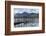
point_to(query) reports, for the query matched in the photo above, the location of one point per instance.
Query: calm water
(34, 23)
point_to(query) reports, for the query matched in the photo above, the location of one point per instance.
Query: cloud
(21, 10)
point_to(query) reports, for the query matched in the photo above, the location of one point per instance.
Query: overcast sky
(21, 10)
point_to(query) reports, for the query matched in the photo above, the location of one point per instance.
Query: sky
(21, 10)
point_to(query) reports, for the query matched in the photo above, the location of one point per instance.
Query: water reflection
(32, 23)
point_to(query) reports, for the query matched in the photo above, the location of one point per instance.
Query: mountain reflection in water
(32, 23)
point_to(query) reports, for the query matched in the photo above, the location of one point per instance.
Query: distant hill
(26, 15)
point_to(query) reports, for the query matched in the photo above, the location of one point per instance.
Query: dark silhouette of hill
(25, 14)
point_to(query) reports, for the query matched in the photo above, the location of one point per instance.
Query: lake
(32, 22)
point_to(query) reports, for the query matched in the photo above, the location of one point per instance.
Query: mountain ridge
(25, 14)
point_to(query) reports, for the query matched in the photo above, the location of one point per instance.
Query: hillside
(26, 15)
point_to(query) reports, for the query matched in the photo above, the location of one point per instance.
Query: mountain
(25, 14)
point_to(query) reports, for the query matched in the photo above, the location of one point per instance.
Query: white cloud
(21, 10)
